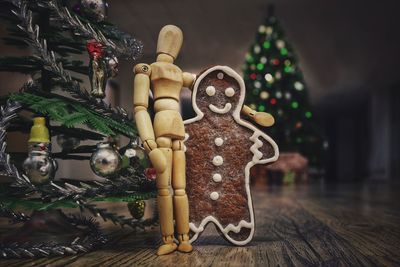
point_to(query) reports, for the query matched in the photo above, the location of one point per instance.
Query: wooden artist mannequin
(163, 139)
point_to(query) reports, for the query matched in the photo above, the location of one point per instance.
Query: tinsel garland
(93, 239)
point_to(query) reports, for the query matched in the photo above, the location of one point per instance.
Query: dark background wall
(348, 50)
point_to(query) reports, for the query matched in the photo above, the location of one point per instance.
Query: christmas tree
(59, 106)
(275, 84)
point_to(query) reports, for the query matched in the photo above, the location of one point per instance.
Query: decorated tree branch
(60, 107)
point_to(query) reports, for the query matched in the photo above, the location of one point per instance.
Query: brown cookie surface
(220, 151)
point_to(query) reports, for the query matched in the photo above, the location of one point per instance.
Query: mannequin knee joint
(179, 192)
(164, 142)
(163, 192)
(177, 145)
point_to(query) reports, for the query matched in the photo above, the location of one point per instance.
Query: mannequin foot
(185, 246)
(166, 249)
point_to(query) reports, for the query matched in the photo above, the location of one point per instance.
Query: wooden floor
(319, 225)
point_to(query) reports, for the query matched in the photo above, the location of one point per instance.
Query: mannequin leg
(164, 199)
(181, 205)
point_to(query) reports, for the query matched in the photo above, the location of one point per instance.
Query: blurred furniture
(291, 167)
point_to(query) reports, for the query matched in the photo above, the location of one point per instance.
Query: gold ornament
(137, 208)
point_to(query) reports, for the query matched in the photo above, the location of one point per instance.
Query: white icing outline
(224, 110)
(255, 160)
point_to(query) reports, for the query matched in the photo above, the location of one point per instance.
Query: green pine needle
(71, 113)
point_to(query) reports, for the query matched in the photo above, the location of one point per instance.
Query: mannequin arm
(261, 118)
(188, 79)
(141, 87)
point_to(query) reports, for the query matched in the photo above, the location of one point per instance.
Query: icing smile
(224, 110)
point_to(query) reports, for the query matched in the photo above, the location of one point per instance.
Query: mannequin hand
(263, 119)
(158, 160)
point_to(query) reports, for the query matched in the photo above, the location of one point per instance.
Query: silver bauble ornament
(67, 143)
(134, 155)
(39, 166)
(106, 161)
(97, 8)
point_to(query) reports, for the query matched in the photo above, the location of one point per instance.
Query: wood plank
(296, 226)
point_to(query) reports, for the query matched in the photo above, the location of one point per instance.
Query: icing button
(217, 161)
(217, 178)
(214, 195)
(220, 75)
(218, 141)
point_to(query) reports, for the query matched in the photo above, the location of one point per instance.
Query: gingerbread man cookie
(220, 149)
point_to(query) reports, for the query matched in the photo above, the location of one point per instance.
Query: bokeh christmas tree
(275, 84)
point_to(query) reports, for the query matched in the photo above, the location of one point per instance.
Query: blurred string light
(249, 58)
(295, 104)
(288, 69)
(268, 77)
(263, 60)
(280, 44)
(260, 66)
(266, 44)
(298, 86)
(275, 62)
(264, 95)
(308, 114)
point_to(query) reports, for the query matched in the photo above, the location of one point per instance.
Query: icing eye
(210, 90)
(229, 92)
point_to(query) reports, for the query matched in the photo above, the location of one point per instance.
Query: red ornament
(95, 49)
(275, 62)
(150, 173)
(253, 76)
(273, 101)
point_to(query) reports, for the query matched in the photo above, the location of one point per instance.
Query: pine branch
(71, 113)
(127, 47)
(53, 65)
(118, 219)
